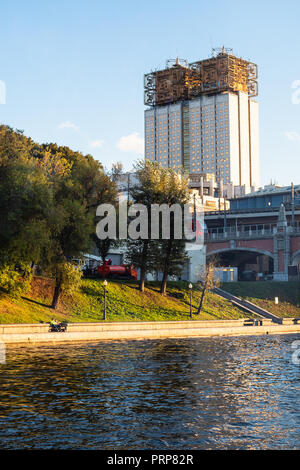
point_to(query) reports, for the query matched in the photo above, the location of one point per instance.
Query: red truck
(113, 271)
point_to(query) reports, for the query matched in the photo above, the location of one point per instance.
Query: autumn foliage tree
(208, 281)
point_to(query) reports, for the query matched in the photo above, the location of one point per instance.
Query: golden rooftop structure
(181, 81)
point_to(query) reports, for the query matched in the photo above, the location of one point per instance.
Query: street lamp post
(191, 288)
(104, 304)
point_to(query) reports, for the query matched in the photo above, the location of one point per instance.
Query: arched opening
(252, 265)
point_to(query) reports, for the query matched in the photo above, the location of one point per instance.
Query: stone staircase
(248, 306)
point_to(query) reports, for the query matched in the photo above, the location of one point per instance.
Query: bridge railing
(225, 234)
(245, 232)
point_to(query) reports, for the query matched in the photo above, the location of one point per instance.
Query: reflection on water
(212, 393)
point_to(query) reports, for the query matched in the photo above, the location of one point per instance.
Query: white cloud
(68, 125)
(97, 143)
(131, 143)
(293, 136)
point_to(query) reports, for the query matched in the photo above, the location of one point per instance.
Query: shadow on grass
(131, 308)
(36, 302)
(177, 291)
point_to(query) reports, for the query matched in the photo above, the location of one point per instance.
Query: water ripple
(207, 393)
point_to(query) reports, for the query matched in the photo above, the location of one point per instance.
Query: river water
(206, 393)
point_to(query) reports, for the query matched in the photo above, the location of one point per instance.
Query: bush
(71, 277)
(13, 282)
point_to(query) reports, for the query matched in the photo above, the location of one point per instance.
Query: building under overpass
(260, 234)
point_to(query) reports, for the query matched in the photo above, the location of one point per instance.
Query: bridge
(265, 242)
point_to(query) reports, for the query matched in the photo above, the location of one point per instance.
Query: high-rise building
(202, 117)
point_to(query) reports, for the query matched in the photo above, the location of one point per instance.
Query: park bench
(58, 327)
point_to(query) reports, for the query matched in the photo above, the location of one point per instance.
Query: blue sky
(73, 70)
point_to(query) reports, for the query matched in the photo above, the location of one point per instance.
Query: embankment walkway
(112, 331)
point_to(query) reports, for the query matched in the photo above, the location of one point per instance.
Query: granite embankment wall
(39, 333)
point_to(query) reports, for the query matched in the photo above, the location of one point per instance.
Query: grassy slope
(124, 303)
(264, 293)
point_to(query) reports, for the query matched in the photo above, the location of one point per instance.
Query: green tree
(140, 253)
(48, 200)
(77, 193)
(146, 191)
(172, 251)
(25, 200)
(103, 246)
(157, 185)
(171, 256)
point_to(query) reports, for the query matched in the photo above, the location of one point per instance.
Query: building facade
(214, 130)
